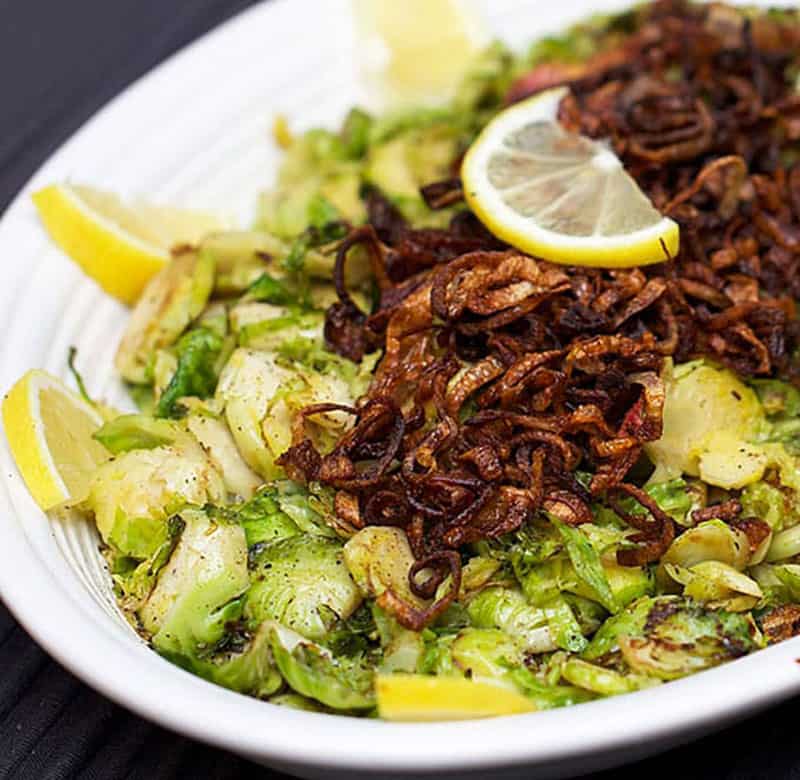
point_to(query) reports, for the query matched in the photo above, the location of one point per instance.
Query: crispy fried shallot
(502, 375)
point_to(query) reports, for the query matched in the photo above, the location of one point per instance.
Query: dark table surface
(61, 60)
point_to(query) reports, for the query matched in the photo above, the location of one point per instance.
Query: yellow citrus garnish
(120, 246)
(49, 430)
(561, 196)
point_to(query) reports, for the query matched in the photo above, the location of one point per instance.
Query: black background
(61, 60)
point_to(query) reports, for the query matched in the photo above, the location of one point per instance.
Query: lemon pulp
(49, 430)
(559, 195)
(120, 246)
(418, 49)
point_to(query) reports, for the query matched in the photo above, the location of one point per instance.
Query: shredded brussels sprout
(275, 577)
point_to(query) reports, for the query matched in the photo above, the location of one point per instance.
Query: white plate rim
(137, 679)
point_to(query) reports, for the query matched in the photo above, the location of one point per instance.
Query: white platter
(196, 132)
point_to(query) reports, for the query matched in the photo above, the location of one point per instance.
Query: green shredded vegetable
(285, 579)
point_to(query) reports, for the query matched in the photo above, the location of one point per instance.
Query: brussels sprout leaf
(196, 373)
(587, 564)
(134, 432)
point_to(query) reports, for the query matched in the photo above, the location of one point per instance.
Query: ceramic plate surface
(196, 132)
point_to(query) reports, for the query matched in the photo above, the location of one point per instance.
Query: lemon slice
(559, 195)
(49, 430)
(120, 246)
(419, 697)
(417, 50)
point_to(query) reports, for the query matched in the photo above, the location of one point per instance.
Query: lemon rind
(413, 697)
(97, 245)
(653, 244)
(22, 421)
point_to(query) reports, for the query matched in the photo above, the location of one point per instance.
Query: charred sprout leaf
(263, 519)
(324, 227)
(485, 652)
(628, 622)
(417, 148)
(403, 649)
(295, 701)
(779, 399)
(669, 637)
(240, 257)
(326, 374)
(199, 590)
(354, 636)
(780, 622)
(143, 397)
(676, 497)
(667, 661)
(508, 610)
(303, 583)
(316, 165)
(313, 671)
(196, 372)
(533, 544)
(453, 619)
(211, 430)
(564, 628)
(247, 387)
(173, 298)
(545, 583)
(404, 120)
(309, 506)
(605, 682)
(135, 432)
(379, 559)
(478, 572)
(484, 88)
(589, 614)
(731, 464)
(701, 402)
(271, 290)
(789, 577)
(133, 495)
(785, 544)
(215, 318)
(137, 537)
(587, 564)
(135, 578)
(717, 585)
(277, 327)
(773, 504)
(673, 496)
(310, 353)
(628, 583)
(249, 669)
(355, 133)
(263, 395)
(712, 540)
(322, 215)
(546, 695)
(161, 369)
(785, 432)
(437, 656)
(295, 259)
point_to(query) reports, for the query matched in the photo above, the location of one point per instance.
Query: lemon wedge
(120, 246)
(49, 430)
(559, 195)
(419, 697)
(417, 50)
